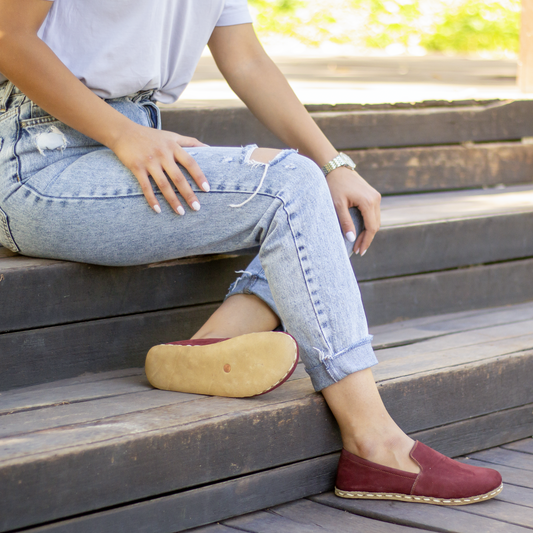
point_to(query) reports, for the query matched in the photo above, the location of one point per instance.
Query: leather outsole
(244, 366)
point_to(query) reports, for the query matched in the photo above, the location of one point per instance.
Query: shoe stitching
(419, 499)
(295, 360)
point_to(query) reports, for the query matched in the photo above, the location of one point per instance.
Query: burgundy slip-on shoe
(248, 365)
(441, 480)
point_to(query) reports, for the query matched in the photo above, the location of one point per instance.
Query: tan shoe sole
(417, 499)
(244, 366)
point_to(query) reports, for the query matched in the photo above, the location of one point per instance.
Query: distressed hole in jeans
(264, 155)
(52, 139)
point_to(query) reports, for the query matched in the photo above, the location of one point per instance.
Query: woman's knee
(264, 155)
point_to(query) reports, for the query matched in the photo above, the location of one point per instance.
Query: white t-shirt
(119, 47)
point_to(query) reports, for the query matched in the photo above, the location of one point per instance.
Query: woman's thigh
(90, 208)
(64, 196)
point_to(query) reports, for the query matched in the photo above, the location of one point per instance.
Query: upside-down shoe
(248, 365)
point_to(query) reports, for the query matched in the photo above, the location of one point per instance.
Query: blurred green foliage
(462, 26)
(285, 17)
(476, 25)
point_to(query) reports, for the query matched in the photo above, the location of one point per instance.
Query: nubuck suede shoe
(441, 480)
(248, 365)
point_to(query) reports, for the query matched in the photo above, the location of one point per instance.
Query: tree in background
(415, 26)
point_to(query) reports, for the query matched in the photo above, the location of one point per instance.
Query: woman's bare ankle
(392, 451)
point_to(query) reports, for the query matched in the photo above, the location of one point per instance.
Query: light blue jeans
(64, 196)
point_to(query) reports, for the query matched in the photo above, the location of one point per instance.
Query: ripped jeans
(64, 196)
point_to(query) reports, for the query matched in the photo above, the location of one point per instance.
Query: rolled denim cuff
(333, 369)
(253, 281)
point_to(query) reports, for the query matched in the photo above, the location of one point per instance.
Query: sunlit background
(485, 28)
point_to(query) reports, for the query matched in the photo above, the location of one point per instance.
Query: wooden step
(504, 120)
(66, 318)
(110, 452)
(420, 233)
(433, 168)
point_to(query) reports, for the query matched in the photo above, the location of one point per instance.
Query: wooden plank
(433, 246)
(147, 445)
(306, 516)
(432, 168)
(213, 528)
(504, 120)
(83, 388)
(103, 345)
(524, 446)
(85, 412)
(501, 456)
(177, 438)
(42, 292)
(419, 329)
(420, 295)
(432, 517)
(510, 475)
(467, 384)
(454, 349)
(517, 331)
(184, 510)
(472, 389)
(481, 432)
(517, 495)
(506, 512)
(412, 209)
(525, 62)
(59, 352)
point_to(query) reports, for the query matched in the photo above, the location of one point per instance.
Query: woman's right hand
(34, 68)
(148, 152)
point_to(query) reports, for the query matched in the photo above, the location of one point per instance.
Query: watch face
(347, 160)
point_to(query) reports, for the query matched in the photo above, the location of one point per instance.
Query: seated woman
(88, 175)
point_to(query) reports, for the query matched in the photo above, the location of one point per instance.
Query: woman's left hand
(349, 189)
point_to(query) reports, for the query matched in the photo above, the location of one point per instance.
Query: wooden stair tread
(443, 207)
(105, 434)
(419, 235)
(412, 126)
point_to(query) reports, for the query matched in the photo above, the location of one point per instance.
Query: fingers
(146, 187)
(189, 142)
(372, 218)
(346, 222)
(186, 160)
(167, 169)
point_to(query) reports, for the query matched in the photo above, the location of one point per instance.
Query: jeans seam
(15, 144)
(317, 316)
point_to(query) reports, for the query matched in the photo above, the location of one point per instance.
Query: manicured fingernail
(350, 236)
(156, 208)
(357, 251)
(196, 206)
(363, 253)
(205, 186)
(180, 210)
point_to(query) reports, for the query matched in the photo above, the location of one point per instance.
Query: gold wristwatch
(342, 160)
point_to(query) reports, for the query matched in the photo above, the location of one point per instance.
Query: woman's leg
(367, 429)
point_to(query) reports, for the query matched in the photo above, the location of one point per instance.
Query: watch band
(341, 160)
